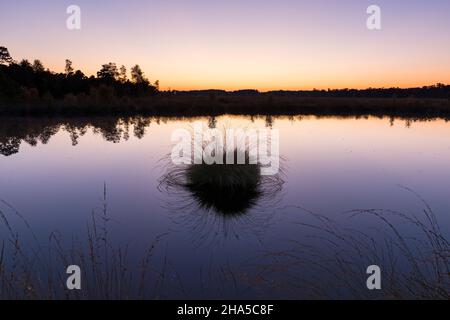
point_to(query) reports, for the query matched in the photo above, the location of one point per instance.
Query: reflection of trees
(15, 131)
(75, 132)
(9, 146)
(140, 124)
(35, 130)
(110, 129)
(212, 122)
(269, 122)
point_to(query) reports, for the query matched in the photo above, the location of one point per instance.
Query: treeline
(28, 88)
(31, 82)
(437, 91)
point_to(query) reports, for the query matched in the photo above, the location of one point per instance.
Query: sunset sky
(237, 44)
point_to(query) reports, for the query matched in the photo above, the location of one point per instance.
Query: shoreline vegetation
(30, 89)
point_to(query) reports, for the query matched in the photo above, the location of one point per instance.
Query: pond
(351, 192)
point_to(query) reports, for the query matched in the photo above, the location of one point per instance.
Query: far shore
(215, 104)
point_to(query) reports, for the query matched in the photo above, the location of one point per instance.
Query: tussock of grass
(218, 200)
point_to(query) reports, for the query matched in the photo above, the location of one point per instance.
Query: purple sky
(271, 44)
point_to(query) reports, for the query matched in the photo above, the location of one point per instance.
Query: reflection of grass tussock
(221, 199)
(228, 189)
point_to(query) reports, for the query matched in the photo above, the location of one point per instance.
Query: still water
(57, 173)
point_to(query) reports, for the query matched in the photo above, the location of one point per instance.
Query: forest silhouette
(28, 88)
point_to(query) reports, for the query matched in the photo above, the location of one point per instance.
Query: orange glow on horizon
(250, 79)
(242, 45)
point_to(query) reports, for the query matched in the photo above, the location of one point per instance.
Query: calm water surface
(53, 171)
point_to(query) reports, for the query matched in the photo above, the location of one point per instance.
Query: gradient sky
(265, 44)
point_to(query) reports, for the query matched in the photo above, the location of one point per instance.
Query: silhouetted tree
(38, 66)
(68, 69)
(123, 74)
(137, 75)
(108, 72)
(5, 57)
(24, 63)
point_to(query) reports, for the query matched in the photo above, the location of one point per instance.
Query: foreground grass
(414, 266)
(33, 270)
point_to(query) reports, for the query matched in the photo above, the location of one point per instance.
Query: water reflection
(17, 130)
(269, 248)
(221, 200)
